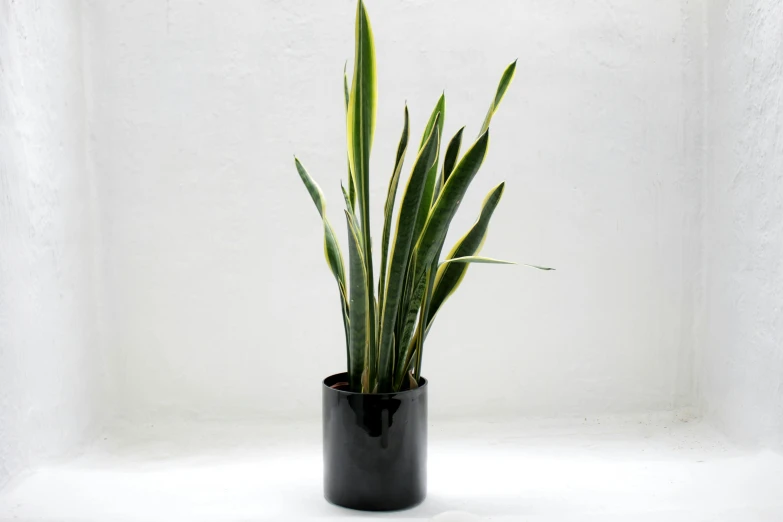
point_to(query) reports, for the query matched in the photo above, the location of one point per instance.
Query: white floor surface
(645, 468)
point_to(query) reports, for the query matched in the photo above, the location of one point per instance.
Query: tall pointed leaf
(505, 81)
(425, 307)
(450, 158)
(415, 301)
(391, 194)
(400, 254)
(351, 182)
(438, 113)
(360, 129)
(360, 311)
(431, 240)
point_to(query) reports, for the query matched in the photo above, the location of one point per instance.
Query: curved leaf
(448, 202)
(334, 257)
(479, 259)
(449, 277)
(400, 254)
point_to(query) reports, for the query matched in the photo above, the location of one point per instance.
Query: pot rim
(421, 388)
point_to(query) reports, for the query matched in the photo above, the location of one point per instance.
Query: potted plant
(375, 413)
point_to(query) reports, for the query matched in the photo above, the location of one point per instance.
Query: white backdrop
(218, 300)
(50, 362)
(741, 366)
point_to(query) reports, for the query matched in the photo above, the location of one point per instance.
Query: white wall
(742, 366)
(49, 364)
(219, 301)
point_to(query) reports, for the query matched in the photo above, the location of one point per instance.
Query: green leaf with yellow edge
(449, 277)
(485, 260)
(431, 240)
(388, 210)
(349, 207)
(505, 81)
(450, 158)
(360, 130)
(334, 257)
(427, 197)
(400, 255)
(332, 253)
(359, 304)
(351, 182)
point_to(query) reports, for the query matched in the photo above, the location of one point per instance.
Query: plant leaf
(360, 129)
(450, 276)
(450, 158)
(334, 257)
(360, 311)
(431, 240)
(407, 339)
(400, 254)
(391, 194)
(505, 81)
(425, 309)
(438, 114)
(351, 182)
(479, 259)
(447, 204)
(346, 198)
(361, 111)
(350, 208)
(346, 89)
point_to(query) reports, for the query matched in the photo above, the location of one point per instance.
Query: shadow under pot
(375, 447)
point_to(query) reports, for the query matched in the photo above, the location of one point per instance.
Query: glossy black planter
(375, 447)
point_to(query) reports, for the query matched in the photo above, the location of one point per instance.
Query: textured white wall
(48, 359)
(742, 361)
(219, 302)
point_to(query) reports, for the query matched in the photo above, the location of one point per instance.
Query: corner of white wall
(741, 364)
(49, 347)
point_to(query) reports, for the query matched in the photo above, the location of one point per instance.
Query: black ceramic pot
(375, 447)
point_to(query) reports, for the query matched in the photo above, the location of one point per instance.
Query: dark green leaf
(391, 194)
(360, 127)
(400, 254)
(452, 153)
(360, 311)
(438, 114)
(450, 276)
(434, 233)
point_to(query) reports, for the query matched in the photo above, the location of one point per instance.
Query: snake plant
(385, 326)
